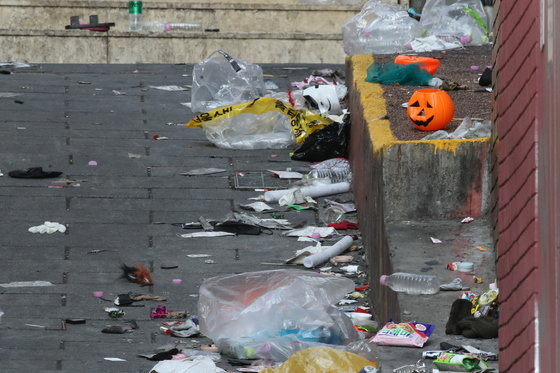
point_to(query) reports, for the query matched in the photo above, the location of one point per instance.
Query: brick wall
(517, 84)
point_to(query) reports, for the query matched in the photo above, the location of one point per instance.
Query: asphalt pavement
(120, 190)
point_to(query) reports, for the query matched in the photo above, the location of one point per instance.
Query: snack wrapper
(403, 334)
(450, 362)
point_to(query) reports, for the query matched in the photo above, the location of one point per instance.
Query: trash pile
(382, 28)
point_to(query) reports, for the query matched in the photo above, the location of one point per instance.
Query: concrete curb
(405, 180)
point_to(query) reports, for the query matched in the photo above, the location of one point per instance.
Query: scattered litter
(1, 174)
(481, 248)
(20, 284)
(158, 137)
(223, 80)
(34, 173)
(187, 104)
(15, 65)
(448, 361)
(468, 129)
(169, 88)
(177, 281)
(35, 326)
(311, 191)
(347, 207)
(137, 274)
(92, 163)
(350, 269)
(83, 82)
(181, 329)
(347, 301)
(287, 174)
(98, 294)
(118, 93)
(340, 259)
(195, 364)
(435, 240)
(199, 255)
(419, 367)
(454, 285)
(203, 171)
(9, 94)
(270, 85)
(257, 206)
(344, 225)
(48, 228)
(134, 156)
(409, 334)
(206, 234)
(209, 261)
(308, 231)
(467, 220)
(114, 312)
(478, 280)
(461, 266)
(113, 359)
(325, 255)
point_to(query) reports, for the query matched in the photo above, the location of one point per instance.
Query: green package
(459, 363)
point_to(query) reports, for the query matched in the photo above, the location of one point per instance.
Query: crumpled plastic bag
(379, 28)
(468, 129)
(264, 123)
(222, 80)
(321, 360)
(452, 20)
(269, 304)
(329, 142)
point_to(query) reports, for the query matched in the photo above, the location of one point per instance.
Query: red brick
(521, 228)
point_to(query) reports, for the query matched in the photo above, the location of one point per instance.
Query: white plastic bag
(270, 304)
(379, 28)
(222, 80)
(451, 20)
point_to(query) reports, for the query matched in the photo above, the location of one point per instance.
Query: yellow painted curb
(375, 112)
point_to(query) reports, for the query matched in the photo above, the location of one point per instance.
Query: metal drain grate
(259, 180)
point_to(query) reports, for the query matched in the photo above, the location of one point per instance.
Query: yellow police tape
(303, 122)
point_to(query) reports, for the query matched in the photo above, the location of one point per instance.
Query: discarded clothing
(344, 225)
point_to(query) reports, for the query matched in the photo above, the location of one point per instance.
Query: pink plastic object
(474, 67)
(177, 281)
(92, 163)
(384, 279)
(159, 313)
(98, 294)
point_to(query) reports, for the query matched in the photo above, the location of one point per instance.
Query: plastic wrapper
(293, 304)
(223, 80)
(379, 28)
(264, 123)
(403, 334)
(451, 362)
(321, 360)
(463, 20)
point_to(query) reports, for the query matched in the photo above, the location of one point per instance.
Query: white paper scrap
(435, 240)
(113, 359)
(206, 234)
(21, 284)
(169, 88)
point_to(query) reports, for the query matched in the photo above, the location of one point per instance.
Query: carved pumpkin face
(430, 109)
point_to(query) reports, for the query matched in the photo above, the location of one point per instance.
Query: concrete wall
(405, 180)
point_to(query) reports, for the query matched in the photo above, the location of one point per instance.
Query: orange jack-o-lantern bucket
(430, 109)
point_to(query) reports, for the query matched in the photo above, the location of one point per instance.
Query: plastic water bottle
(411, 283)
(135, 15)
(183, 27)
(336, 175)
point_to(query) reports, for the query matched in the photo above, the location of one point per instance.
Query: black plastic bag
(326, 143)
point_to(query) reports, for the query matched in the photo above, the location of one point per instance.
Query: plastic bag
(222, 80)
(463, 20)
(379, 28)
(326, 143)
(196, 364)
(391, 73)
(279, 303)
(321, 360)
(264, 123)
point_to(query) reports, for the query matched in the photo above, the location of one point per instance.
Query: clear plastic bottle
(334, 175)
(135, 15)
(183, 27)
(411, 283)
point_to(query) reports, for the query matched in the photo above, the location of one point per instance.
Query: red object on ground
(362, 288)
(344, 225)
(429, 64)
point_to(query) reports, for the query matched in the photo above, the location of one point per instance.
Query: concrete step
(285, 16)
(78, 46)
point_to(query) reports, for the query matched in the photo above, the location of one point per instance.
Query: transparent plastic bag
(279, 303)
(264, 123)
(379, 28)
(450, 20)
(222, 80)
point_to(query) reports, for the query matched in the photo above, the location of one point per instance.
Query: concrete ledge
(405, 180)
(79, 46)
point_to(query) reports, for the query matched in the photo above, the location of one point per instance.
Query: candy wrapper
(450, 362)
(404, 334)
